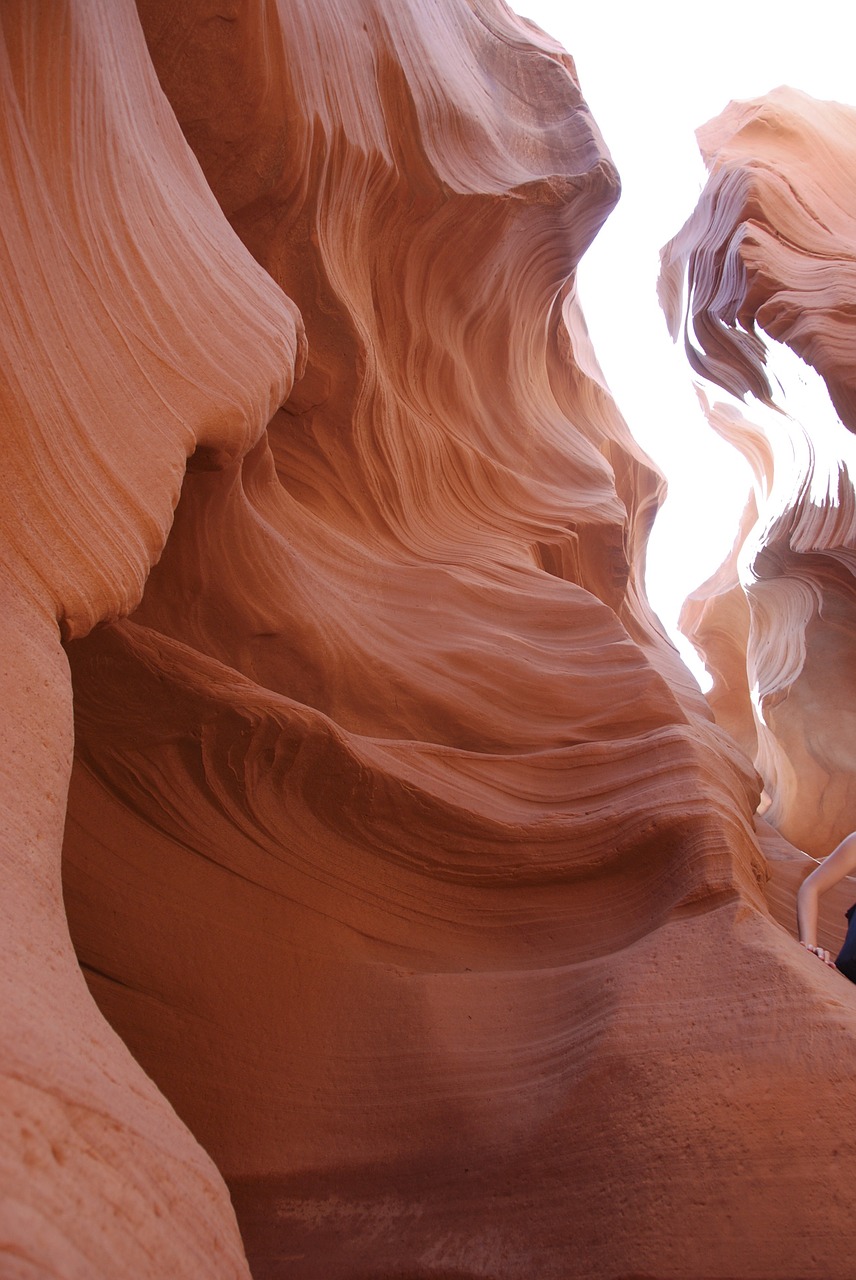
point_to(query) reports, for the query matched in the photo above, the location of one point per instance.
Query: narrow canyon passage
(427, 925)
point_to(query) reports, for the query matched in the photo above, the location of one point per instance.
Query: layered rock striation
(135, 328)
(771, 247)
(400, 851)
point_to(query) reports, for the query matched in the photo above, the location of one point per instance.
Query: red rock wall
(400, 851)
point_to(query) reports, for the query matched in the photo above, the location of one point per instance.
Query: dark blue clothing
(846, 958)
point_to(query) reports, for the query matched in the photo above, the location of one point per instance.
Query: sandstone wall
(770, 250)
(400, 850)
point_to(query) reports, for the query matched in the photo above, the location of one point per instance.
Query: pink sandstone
(771, 248)
(417, 892)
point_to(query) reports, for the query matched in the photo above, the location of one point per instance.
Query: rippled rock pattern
(400, 851)
(772, 246)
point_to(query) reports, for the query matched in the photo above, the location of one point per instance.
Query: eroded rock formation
(771, 246)
(400, 850)
(135, 328)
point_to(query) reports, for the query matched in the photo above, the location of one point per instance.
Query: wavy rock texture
(116, 271)
(400, 850)
(771, 243)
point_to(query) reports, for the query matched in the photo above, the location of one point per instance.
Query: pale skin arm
(840, 863)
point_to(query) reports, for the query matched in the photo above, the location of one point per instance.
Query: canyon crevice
(381, 896)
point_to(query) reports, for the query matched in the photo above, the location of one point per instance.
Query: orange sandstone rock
(401, 851)
(134, 327)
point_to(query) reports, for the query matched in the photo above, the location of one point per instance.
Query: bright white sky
(652, 71)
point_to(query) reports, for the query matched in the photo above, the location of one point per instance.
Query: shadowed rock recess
(413, 920)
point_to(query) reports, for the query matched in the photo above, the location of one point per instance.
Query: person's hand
(821, 954)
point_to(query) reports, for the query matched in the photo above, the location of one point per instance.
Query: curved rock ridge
(715, 617)
(400, 850)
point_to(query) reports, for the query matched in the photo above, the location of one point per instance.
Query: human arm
(840, 863)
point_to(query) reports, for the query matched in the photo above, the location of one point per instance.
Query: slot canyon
(382, 899)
